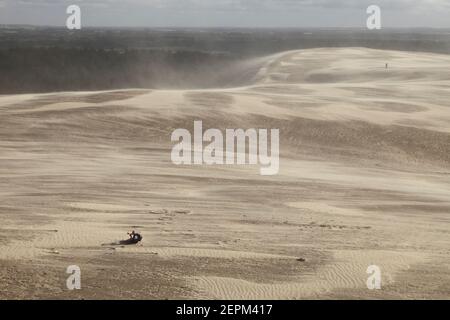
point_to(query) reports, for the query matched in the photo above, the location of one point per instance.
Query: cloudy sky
(228, 13)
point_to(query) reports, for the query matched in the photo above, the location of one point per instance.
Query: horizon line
(17, 25)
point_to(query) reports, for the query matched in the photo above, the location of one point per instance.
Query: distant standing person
(387, 65)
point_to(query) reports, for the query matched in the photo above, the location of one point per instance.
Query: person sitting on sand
(134, 237)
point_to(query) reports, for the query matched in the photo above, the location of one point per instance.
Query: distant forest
(52, 69)
(51, 59)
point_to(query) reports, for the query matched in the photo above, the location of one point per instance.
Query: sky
(229, 13)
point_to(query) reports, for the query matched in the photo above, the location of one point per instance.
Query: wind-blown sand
(364, 179)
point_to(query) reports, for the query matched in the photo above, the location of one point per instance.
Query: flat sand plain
(364, 180)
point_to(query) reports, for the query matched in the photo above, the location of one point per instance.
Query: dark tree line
(61, 69)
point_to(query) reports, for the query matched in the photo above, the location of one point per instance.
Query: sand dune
(364, 179)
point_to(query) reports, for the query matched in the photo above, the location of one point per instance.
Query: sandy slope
(364, 179)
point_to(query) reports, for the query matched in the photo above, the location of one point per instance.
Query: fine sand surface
(364, 180)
